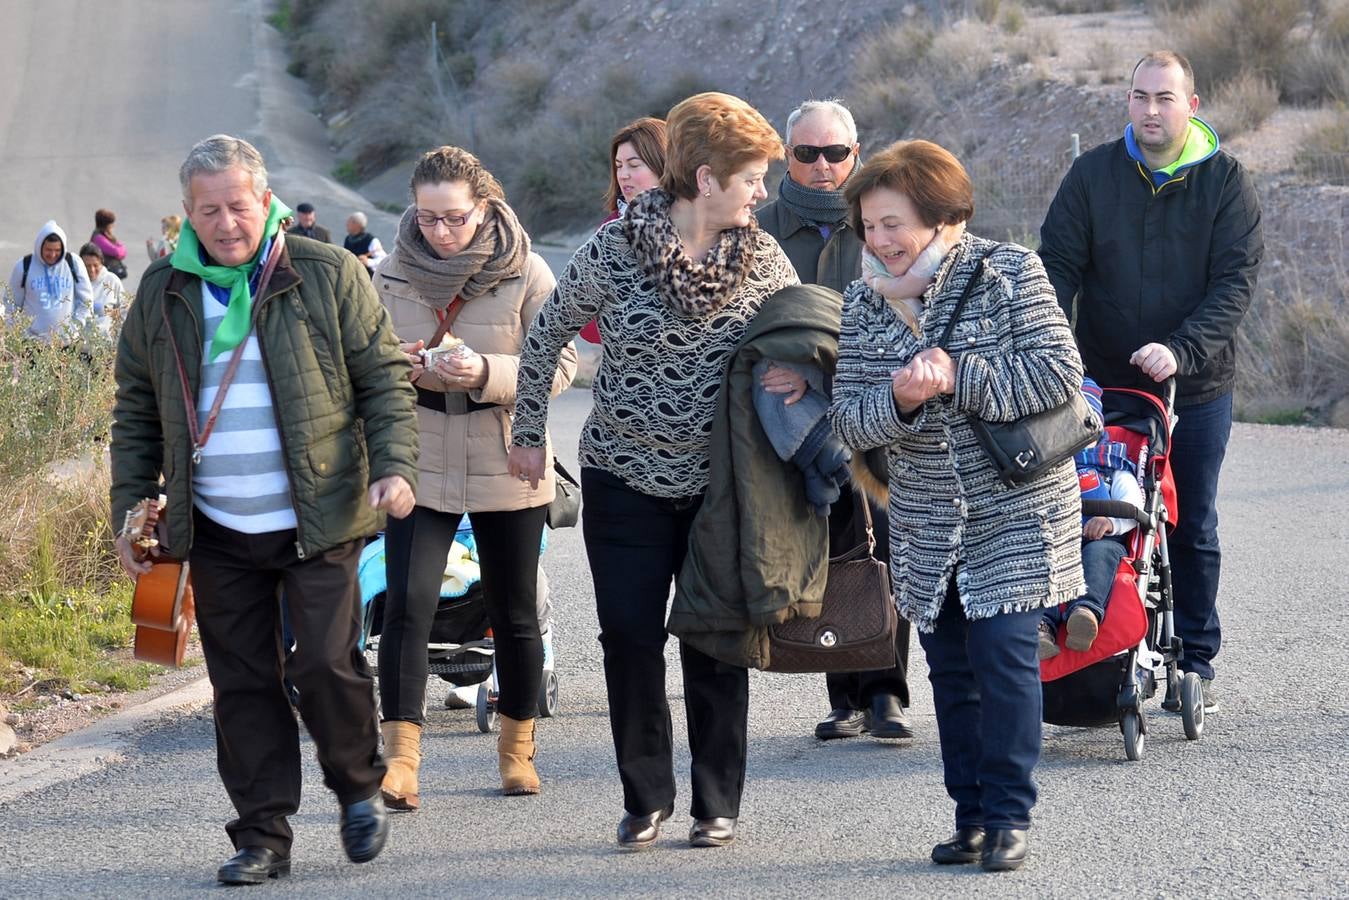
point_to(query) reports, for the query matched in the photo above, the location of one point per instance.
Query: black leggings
(415, 552)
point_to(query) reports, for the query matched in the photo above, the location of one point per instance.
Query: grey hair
(360, 218)
(219, 153)
(832, 106)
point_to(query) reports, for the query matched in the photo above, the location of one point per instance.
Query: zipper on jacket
(191, 464)
(280, 432)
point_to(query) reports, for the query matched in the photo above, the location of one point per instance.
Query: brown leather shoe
(640, 832)
(515, 757)
(403, 756)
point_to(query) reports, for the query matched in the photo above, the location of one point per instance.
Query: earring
(707, 193)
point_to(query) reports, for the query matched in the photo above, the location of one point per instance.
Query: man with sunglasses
(810, 220)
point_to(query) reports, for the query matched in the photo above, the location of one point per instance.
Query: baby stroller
(460, 650)
(1137, 641)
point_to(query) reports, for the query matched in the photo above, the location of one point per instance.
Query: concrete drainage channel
(82, 752)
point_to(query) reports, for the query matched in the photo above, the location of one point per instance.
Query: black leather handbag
(855, 630)
(565, 510)
(1024, 449)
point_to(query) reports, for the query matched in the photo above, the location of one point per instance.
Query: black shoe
(886, 718)
(841, 723)
(365, 827)
(965, 846)
(640, 832)
(714, 832)
(253, 865)
(1004, 849)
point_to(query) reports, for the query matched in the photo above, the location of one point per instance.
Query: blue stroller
(460, 650)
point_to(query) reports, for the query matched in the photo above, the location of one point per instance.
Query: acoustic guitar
(162, 607)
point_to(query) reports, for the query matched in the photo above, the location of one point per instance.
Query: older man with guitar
(259, 380)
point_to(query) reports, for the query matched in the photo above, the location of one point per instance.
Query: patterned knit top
(656, 388)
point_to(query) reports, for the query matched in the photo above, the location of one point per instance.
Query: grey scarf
(814, 206)
(689, 288)
(499, 250)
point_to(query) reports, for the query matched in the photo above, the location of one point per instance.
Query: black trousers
(636, 544)
(236, 580)
(415, 552)
(855, 690)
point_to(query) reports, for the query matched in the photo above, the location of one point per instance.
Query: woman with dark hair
(637, 152)
(973, 562)
(462, 267)
(674, 284)
(113, 250)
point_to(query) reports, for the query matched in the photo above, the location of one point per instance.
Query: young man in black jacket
(1157, 237)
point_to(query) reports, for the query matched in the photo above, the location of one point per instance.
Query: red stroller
(1137, 640)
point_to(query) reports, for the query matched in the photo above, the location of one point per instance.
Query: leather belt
(455, 403)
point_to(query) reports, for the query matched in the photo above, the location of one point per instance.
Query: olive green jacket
(834, 263)
(757, 555)
(339, 384)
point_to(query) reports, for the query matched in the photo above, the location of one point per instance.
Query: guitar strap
(202, 435)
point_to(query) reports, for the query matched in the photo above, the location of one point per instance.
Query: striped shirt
(241, 481)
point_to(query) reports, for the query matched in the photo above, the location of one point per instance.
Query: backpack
(28, 261)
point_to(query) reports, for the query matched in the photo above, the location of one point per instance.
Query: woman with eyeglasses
(462, 267)
(674, 284)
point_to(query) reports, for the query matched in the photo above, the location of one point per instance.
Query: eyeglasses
(834, 153)
(428, 220)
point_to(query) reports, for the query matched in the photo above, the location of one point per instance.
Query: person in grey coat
(973, 562)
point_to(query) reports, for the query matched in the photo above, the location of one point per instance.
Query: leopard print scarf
(687, 287)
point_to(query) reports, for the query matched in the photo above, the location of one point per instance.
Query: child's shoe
(1082, 627)
(1049, 648)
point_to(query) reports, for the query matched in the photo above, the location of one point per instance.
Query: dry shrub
(1319, 70)
(1012, 18)
(987, 10)
(890, 83)
(1077, 6)
(1243, 104)
(1293, 356)
(1324, 154)
(522, 87)
(1034, 43)
(1226, 38)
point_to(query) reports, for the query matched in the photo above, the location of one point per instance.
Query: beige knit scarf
(498, 250)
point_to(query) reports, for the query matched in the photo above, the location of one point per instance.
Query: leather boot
(515, 755)
(403, 756)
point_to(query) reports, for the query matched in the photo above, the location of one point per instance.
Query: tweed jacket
(1010, 549)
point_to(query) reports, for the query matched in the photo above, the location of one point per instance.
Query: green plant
(281, 18)
(1013, 18)
(347, 173)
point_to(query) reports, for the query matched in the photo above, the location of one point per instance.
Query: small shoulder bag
(1025, 449)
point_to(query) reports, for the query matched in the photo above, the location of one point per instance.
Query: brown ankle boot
(403, 755)
(515, 754)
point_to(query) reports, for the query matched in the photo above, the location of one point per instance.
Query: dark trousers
(1100, 562)
(1198, 446)
(415, 550)
(986, 690)
(855, 690)
(236, 579)
(636, 544)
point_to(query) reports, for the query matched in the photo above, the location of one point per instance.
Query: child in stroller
(460, 650)
(1136, 643)
(1104, 472)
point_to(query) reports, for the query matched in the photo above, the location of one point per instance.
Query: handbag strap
(446, 317)
(868, 549)
(563, 473)
(965, 296)
(201, 435)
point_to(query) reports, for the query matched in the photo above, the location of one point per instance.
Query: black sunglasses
(834, 153)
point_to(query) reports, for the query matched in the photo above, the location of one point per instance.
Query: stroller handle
(1115, 509)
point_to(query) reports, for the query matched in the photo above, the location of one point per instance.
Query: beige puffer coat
(463, 457)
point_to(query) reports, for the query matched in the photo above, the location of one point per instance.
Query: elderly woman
(674, 283)
(462, 267)
(973, 562)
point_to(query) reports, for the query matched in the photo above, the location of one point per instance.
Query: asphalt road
(1257, 808)
(98, 103)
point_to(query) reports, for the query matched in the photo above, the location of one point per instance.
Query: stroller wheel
(1192, 706)
(1134, 736)
(548, 695)
(486, 708)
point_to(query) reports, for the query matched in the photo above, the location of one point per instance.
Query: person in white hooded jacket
(51, 288)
